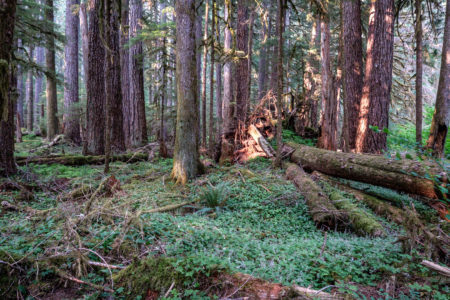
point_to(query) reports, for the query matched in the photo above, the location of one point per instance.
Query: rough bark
(186, 164)
(30, 97)
(280, 75)
(419, 71)
(38, 104)
(52, 104)
(84, 40)
(125, 72)
(242, 70)
(204, 66)
(71, 98)
(219, 94)
(138, 124)
(403, 175)
(263, 64)
(441, 116)
(374, 108)
(353, 70)
(198, 44)
(21, 96)
(95, 120)
(328, 133)
(7, 19)
(251, 26)
(211, 79)
(113, 87)
(320, 207)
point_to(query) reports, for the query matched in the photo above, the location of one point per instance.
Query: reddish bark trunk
(374, 108)
(242, 70)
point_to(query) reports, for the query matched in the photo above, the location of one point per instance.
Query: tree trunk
(374, 108)
(219, 92)
(113, 81)
(441, 116)
(250, 55)
(279, 66)
(198, 44)
(84, 39)
(227, 148)
(79, 160)
(138, 124)
(40, 59)
(211, 79)
(204, 66)
(242, 70)
(125, 73)
(353, 70)
(403, 175)
(95, 125)
(162, 144)
(52, 104)
(30, 97)
(71, 111)
(419, 63)
(328, 132)
(7, 19)
(263, 65)
(186, 163)
(21, 96)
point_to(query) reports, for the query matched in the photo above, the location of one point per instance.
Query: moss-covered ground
(244, 218)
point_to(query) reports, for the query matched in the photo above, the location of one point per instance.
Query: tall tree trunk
(219, 91)
(30, 97)
(227, 148)
(71, 111)
(250, 54)
(95, 120)
(441, 116)
(40, 58)
(113, 81)
(374, 108)
(263, 64)
(419, 63)
(84, 39)
(7, 19)
(242, 71)
(204, 66)
(52, 104)
(353, 70)
(138, 124)
(21, 96)
(186, 164)
(164, 87)
(327, 139)
(279, 72)
(125, 73)
(198, 44)
(109, 79)
(211, 80)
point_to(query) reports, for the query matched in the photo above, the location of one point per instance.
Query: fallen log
(262, 142)
(435, 267)
(403, 175)
(79, 160)
(320, 207)
(362, 222)
(380, 207)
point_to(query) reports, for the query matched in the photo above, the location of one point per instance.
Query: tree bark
(84, 40)
(7, 19)
(219, 92)
(186, 163)
(419, 71)
(113, 80)
(441, 116)
(204, 66)
(79, 160)
(279, 66)
(328, 132)
(263, 65)
(30, 97)
(95, 84)
(52, 104)
(403, 175)
(125, 73)
(242, 70)
(374, 108)
(138, 124)
(71, 98)
(211, 80)
(353, 70)
(21, 96)
(38, 104)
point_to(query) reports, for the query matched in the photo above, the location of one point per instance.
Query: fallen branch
(168, 207)
(435, 267)
(313, 294)
(261, 141)
(79, 160)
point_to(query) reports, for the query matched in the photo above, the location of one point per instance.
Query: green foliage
(290, 136)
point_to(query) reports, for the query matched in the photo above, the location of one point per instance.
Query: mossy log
(378, 206)
(320, 206)
(362, 222)
(404, 175)
(79, 160)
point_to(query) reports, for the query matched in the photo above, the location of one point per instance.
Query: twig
(169, 290)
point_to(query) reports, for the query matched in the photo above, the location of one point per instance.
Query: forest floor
(237, 218)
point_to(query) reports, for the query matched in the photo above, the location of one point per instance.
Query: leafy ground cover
(242, 218)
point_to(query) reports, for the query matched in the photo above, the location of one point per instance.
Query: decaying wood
(320, 206)
(262, 142)
(403, 175)
(54, 142)
(362, 222)
(78, 160)
(313, 294)
(168, 207)
(435, 267)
